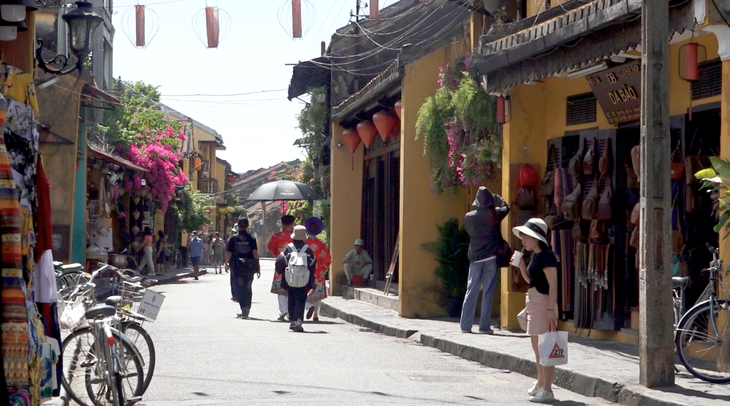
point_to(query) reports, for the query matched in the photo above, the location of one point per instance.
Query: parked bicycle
(703, 334)
(68, 276)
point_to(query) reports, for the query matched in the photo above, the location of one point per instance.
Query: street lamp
(82, 22)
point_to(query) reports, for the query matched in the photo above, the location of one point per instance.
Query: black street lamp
(82, 22)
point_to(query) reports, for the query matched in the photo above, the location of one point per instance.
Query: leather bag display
(605, 211)
(692, 166)
(636, 161)
(589, 160)
(597, 230)
(571, 206)
(547, 186)
(605, 162)
(578, 231)
(589, 206)
(632, 181)
(525, 198)
(575, 166)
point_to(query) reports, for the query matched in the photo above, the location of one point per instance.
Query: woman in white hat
(542, 297)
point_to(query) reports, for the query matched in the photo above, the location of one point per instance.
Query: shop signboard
(618, 91)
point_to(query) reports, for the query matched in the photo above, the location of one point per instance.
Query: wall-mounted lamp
(82, 22)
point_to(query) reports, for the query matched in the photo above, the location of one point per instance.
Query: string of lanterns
(384, 123)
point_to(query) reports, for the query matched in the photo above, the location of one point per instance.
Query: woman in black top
(542, 298)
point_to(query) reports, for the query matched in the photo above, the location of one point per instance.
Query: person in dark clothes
(297, 296)
(482, 224)
(243, 257)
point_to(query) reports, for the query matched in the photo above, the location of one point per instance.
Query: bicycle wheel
(146, 348)
(703, 341)
(67, 282)
(83, 375)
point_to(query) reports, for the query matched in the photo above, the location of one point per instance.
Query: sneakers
(310, 312)
(291, 326)
(543, 396)
(533, 389)
(298, 327)
(490, 331)
(466, 331)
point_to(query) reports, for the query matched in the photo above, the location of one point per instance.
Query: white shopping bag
(553, 347)
(522, 319)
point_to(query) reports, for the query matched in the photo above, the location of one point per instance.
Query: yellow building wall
(421, 209)
(346, 203)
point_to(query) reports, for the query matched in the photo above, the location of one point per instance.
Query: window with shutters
(709, 82)
(581, 109)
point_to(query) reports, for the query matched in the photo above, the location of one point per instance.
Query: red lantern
(690, 56)
(211, 25)
(384, 122)
(374, 10)
(367, 132)
(351, 139)
(140, 25)
(296, 17)
(397, 108)
(501, 118)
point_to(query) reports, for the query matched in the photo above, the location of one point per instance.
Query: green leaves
(451, 250)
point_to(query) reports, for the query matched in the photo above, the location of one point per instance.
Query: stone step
(371, 296)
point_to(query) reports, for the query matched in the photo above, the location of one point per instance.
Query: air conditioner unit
(588, 71)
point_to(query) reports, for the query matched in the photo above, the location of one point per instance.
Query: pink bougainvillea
(156, 153)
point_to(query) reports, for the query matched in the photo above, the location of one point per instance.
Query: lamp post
(82, 22)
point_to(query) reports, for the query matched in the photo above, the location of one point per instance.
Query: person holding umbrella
(276, 245)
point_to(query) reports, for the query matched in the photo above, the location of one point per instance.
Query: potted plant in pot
(451, 250)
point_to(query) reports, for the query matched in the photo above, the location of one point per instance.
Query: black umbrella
(284, 190)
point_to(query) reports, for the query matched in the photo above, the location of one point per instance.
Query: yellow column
(346, 203)
(524, 141)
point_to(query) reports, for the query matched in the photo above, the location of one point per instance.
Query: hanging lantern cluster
(140, 25)
(211, 25)
(367, 132)
(386, 123)
(297, 17)
(690, 57)
(351, 139)
(503, 109)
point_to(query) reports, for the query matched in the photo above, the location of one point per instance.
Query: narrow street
(205, 356)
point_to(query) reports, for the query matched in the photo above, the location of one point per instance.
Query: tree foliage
(192, 208)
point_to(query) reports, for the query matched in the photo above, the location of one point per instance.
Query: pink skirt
(537, 317)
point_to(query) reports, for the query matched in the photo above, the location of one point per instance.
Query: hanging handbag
(636, 161)
(605, 211)
(605, 162)
(558, 191)
(571, 206)
(575, 166)
(676, 168)
(525, 198)
(597, 230)
(589, 160)
(504, 253)
(590, 203)
(632, 181)
(578, 231)
(547, 188)
(691, 203)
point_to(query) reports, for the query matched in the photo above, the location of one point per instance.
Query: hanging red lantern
(301, 13)
(231, 179)
(211, 25)
(374, 10)
(143, 29)
(384, 122)
(397, 107)
(501, 118)
(367, 132)
(690, 57)
(351, 139)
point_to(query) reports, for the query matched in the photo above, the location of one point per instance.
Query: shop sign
(151, 304)
(618, 91)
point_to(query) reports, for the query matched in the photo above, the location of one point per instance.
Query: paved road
(205, 356)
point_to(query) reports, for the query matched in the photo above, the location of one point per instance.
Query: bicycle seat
(679, 281)
(134, 279)
(113, 301)
(100, 311)
(72, 267)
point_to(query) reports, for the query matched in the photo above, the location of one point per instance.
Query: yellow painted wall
(346, 203)
(421, 209)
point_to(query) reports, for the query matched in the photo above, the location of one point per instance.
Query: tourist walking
(196, 247)
(161, 252)
(297, 266)
(542, 297)
(243, 257)
(482, 224)
(147, 260)
(276, 245)
(314, 226)
(218, 246)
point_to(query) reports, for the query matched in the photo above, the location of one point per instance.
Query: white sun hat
(535, 227)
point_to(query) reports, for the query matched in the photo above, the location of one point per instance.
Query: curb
(574, 381)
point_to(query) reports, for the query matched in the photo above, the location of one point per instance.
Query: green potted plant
(451, 250)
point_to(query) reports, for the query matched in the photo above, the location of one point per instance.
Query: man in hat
(243, 256)
(196, 246)
(276, 245)
(358, 262)
(314, 226)
(482, 224)
(297, 295)
(219, 247)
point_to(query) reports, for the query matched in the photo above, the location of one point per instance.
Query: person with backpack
(482, 224)
(276, 245)
(297, 266)
(243, 256)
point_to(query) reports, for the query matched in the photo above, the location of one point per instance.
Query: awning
(93, 94)
(573, 39)
(95, 153)
(309, 74)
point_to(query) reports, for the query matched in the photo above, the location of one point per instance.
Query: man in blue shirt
(196, 248)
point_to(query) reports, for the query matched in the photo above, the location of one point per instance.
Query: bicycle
(101, 363)
(68, 277)
(703, 334)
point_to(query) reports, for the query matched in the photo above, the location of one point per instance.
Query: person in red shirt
(324, 259)
(276, 245)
